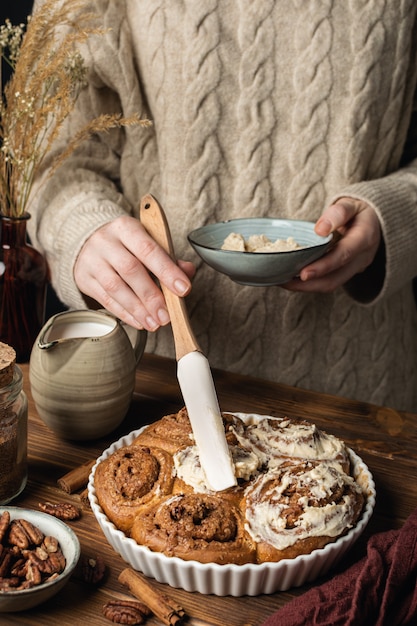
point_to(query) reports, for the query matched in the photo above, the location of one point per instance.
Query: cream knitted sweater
(258, 110)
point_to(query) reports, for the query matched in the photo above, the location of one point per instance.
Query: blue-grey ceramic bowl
(259, 269)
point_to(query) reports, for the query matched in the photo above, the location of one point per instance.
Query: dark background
(17, 12)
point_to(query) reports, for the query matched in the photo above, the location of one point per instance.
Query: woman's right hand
(114, 268)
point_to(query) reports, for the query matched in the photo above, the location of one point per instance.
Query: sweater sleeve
(394, 198)
(85, 192)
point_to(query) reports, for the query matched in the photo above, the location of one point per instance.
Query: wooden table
(384, 438)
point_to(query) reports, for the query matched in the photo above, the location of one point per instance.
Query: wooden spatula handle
(154, 221)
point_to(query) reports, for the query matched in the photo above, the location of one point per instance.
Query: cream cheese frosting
(300, 483)
(284, 506)
(188, 467)
(277, 439)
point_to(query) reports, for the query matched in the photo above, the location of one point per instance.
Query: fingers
(115, 267)
(337, 216)
(352, 254)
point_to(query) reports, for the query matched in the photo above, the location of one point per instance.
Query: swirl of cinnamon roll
(295, 509)
(281, 440)
(198, 527)
(131, 478)
(234, 427)
(171, 432)
(174, 432)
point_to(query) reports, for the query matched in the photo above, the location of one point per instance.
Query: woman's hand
(114, 268)
(360, 231)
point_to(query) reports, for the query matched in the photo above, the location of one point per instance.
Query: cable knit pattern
(255, 108)
(310, 115)
(367, 38)
(258, 109)
(255, 121)
(144, 144)
(392, 119)
(201, 113)
(308, 158)
(202, 72)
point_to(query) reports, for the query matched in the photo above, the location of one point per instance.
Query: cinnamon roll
(131, 478)
(279, 440)
(294, 494)
(295, 509)
(171, 433)
(195, 527)
(190, 476)
(174, 432)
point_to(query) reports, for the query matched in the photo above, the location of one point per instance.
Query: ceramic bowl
(259, 268)
(21, 600)
(230, 579)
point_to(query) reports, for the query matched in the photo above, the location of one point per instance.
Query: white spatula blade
(197, 387)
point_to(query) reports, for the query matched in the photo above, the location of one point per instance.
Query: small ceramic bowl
(21, 600)
(259, 269)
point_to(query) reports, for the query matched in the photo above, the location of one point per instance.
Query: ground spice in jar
(13, 427)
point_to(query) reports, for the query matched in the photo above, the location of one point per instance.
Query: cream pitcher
(82, 372)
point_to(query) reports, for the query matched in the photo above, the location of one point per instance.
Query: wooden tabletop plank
(385, 439)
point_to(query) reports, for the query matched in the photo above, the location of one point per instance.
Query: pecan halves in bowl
(27, 557)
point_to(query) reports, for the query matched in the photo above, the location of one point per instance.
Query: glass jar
(13, 438)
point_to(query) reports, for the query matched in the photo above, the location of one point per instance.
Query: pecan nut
(27, 557)
(4, 524)
(54, 563)
(126, 612)
(24, 534)
(63, 510)
(93, 570)
(5, 561)
(50, 544)
(7, 584)
(33, 573)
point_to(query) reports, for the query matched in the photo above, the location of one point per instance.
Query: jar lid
(7, 364)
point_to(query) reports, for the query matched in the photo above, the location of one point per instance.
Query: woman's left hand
(360, 231)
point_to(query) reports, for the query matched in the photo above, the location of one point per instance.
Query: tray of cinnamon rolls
(302, 499)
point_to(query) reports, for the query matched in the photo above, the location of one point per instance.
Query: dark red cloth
(378, 590)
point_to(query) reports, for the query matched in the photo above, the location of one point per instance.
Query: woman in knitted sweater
(260, 108)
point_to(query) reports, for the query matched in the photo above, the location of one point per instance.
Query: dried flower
(48, 75)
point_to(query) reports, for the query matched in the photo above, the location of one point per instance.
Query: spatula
(193, 369)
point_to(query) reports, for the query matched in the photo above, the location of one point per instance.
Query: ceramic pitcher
(82, 372)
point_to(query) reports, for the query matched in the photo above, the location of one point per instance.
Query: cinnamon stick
(76, 478)
(84, 497)
(164, 607)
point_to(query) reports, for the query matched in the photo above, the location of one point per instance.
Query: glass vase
(23, 284)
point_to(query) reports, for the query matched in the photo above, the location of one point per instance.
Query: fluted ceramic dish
(230, 579)
(24, 599)
(259, 269)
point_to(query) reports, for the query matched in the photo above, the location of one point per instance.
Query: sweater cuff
(88, 214)
(394, 199)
